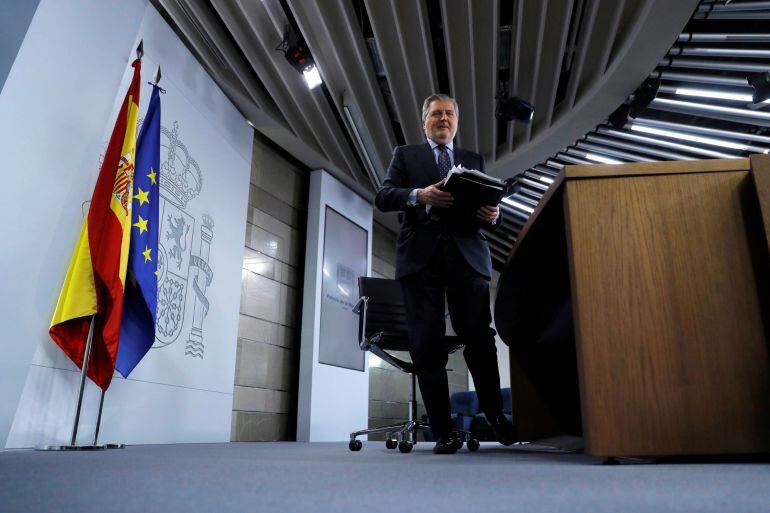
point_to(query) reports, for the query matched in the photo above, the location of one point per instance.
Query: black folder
(473, 189)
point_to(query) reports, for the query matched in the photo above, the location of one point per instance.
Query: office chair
(382, 327)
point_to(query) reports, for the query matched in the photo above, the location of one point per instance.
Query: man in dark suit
(442, 254)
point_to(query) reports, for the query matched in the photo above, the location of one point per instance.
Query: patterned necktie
(444, 164)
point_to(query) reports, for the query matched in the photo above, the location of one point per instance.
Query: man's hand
(432, 195)
(488, 213)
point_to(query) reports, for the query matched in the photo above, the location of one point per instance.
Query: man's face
(441, 122)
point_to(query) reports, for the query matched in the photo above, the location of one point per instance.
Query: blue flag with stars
(137, 329)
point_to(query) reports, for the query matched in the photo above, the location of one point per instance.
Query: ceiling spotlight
(636, 103)
(312, 77)
(514, 109)
(761, 84)
(295, 50)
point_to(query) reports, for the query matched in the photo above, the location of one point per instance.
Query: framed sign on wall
(344, 261)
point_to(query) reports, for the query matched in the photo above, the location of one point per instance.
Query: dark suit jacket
(414, 167)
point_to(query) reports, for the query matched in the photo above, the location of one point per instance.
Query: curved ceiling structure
(575, 60)
(703, 109)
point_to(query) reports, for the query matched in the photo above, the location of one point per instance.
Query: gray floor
(263, 477)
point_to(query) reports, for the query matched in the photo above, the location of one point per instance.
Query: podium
(646, 286)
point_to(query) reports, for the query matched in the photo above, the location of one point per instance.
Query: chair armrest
(360, 309)
(361, 301)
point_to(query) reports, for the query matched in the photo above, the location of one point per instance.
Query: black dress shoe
(445, 445)
(504, 430)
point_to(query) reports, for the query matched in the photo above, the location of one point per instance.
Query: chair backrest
(385, 311)
(384, 325)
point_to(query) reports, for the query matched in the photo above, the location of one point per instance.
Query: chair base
(404, 436)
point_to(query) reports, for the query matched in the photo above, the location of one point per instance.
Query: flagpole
(98, 424)
(99, 418)
(83, 374)
(155, 80)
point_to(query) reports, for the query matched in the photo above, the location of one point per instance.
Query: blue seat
(465, 406)
(507, 409)
(479, 424)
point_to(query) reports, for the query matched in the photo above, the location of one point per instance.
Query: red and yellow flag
(96, 276)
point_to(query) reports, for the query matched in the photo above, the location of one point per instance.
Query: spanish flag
(93, 287)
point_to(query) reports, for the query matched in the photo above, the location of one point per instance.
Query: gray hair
(441, 98)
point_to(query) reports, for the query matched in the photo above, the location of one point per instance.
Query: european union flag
(137, 329)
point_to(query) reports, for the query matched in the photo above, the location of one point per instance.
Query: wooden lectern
(662, 272)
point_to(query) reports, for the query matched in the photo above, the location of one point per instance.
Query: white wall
(55, 106)
(172, 396)
(332, 401)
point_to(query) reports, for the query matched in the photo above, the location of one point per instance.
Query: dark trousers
(449, 276)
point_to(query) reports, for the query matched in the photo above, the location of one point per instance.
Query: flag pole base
(99, 447)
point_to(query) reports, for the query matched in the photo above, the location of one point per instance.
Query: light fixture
(688, 137)
(718, 95)
(716, 110)
(297, 54)
(368, 164)
(518, 205)
(513, 108)
(761, 84)
(312, 77)
(602, 159)
(666, 144)
(636, 103)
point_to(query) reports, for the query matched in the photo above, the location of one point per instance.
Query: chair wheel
(355, 445)
(473, 445)
(405, 446)
(390, 443)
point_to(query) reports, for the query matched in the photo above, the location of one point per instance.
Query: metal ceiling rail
(534, 15)
(557, 27)
(550, 172)
(742, 95)
(666, 144)
(333, 35)
(687, 62)
(708, 37)
(471, 52)
(700, 78)
(613, 152)
(591, 157)
(573, 160)
(528, 180)
(698, 139)
(706, 51)
(277, 84)
(728, 134)
(747, 15)
(587, 23)
(638, 148)
(753, 117)
(406, 52)
(734, 6)
(234, 77)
